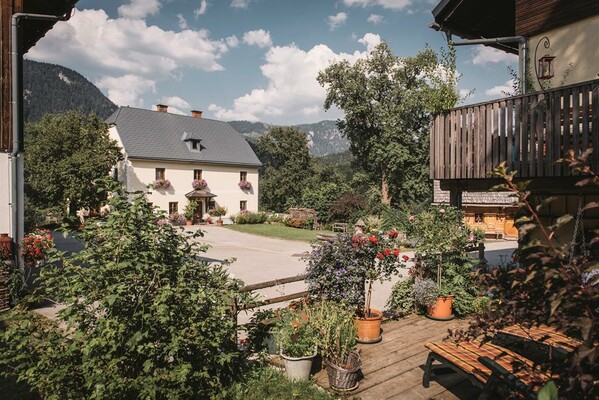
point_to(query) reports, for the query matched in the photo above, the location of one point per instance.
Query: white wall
(5, 184)
(575, 43)
(222, 181)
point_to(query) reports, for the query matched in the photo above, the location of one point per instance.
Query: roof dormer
(193, 141)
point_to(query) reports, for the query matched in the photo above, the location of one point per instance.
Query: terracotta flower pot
(189, 222)
(369, 328)
(219, 222)
(442, 309)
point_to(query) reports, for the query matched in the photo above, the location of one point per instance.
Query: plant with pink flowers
(35, 246)
(199, 184)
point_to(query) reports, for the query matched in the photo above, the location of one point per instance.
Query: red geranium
(393, 234)
(396, 252)
(380, 256)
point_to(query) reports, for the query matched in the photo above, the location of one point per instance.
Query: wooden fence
(529, 132)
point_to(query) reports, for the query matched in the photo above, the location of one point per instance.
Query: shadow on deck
(393, 368)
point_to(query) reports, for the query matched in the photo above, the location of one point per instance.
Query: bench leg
(426, 378)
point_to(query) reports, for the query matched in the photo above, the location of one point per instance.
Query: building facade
(178, 159)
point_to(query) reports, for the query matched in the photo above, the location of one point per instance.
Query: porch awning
(199, 194)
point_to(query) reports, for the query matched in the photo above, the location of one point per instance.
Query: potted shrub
(337, 343)
(297, 342)
(176, 219)
(218, 212)
(441, 234)
(426, 293)
(189, 211)
(340, 271)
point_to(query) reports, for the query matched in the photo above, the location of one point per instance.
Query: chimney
(196, 114)
(161, 108)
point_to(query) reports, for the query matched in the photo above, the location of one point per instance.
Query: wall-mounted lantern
(546, 70)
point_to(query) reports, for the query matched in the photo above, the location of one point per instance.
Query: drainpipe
(17, 200)
(522, 53)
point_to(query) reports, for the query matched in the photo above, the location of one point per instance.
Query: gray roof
(474, 198)
(159, 135)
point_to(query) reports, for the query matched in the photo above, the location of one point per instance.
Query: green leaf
(548, 392)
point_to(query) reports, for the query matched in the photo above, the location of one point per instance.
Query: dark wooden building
(532, 131)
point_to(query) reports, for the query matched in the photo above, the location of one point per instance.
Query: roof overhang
(33, 30)
(199, 194)
(476, 19)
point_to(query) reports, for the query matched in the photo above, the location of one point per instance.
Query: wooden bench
(339, 227)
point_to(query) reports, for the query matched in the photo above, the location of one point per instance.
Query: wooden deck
(393, 368)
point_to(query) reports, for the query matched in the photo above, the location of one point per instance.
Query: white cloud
(335, 21)
(91, 41)
(182, 21)
(483, 54)
(292, 91)
(126, 56)
(390, 4)
(375, 19)
(139, 9)
(126, 90)
(240, 3)
(174, 101)
(370, 40)
(175, 104)
(260, 38)
(232, 41)
(506, 89)
(201, 10)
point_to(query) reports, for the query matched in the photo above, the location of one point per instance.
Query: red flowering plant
(35, 246)
(338, 270)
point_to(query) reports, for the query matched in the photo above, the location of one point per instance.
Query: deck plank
(393, 368)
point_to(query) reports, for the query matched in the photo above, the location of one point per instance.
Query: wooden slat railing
(529, 132)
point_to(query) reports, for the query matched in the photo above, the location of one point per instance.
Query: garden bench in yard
(339, 227)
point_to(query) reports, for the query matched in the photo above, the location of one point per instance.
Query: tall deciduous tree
(387, 103)
(287, 167)
(64, 155)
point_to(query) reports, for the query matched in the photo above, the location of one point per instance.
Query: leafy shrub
(481, 305)
(249, 217)
(348, 207)
(145, 316)
(336, 330)
(401, 300)
(296, 222)
(275, 218)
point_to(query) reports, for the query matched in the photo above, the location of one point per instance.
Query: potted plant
(245, 185)
(176, 219)
(161, 184)
(218, 212)
(337, 343)
(340, 270)
(426, 293)
(199, 184)
(441, 234)
(189, 211)
(297, 342)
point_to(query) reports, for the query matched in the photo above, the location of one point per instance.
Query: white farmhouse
(185, 158)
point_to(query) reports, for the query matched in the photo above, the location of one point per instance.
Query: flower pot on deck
(298, 368)
(345, 377)
(442, 309)
(369, 327)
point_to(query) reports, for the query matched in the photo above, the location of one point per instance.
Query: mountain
(323, 137)
(50, 88)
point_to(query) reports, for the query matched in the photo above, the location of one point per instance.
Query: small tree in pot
(189, 211)
(218, 212)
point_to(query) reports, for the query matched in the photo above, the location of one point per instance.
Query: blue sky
(247, 59)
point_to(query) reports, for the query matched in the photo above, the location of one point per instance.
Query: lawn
(278, 231)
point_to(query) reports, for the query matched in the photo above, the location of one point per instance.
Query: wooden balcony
(529, 132)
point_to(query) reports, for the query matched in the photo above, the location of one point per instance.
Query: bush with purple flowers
(338, 270)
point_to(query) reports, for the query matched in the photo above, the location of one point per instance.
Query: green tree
(287, 167)
(387, 103)
(65, 154)
(146, 317)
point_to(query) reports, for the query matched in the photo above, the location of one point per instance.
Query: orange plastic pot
(369, 328)
(442, 309)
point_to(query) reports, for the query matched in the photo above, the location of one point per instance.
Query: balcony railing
(529, 132)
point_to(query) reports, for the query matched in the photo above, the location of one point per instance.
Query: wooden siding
(538, 16)
(530, 133)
